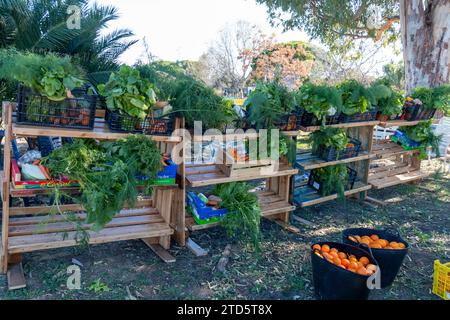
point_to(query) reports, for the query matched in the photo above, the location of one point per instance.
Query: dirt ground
(282, 270)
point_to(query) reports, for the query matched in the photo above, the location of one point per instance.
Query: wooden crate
(233, 168)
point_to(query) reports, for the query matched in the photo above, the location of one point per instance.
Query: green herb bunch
(356, 98)
(434, 98)
(244, 217)
(49, 75)
(127, 93)
(106, 173)
(196, 102)
(333, 179)
(319, 99)
(424, 134)
(268, 103)
(329, 137)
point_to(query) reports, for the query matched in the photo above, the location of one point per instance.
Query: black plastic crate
(412, 112)
(331, 154)
(384, 118)
(310, 119)
(36, 109)
(313, 181)
(358, 117)
(291, 122)
(150, 125)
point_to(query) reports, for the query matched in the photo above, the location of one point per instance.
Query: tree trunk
(425, 37)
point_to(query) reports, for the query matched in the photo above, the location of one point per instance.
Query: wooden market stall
(27, 229)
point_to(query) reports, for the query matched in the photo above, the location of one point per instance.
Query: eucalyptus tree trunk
(425, 27)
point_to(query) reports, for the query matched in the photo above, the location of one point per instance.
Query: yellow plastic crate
(441, 283)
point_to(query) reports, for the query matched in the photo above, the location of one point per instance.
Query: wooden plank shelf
(225, 136)
(206, 175)
(398, 123)
(311, 196)
(389, 149)
(27, 234)
(309, 162)
(396, 176)
(339, 125)
(100, 132)
(270, 204)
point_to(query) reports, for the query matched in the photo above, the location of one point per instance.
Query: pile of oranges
(360, 266)
(375, 242)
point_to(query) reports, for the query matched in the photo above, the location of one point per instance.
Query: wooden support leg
(159, 250)
(16, 278)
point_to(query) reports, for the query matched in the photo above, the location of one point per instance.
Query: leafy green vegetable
(49, 75)
(197, 102)
(319, 100)
(268, 103)
(329, 137)
(106, 172)
(434, 98)
(424, 134)
(244, 217)
(333, 179)
(127, 93)
(356, 98)
(388, 101)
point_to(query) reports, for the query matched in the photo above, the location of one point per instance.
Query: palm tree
(41, 26)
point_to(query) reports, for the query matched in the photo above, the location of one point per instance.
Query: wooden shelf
(226, 136)
(309, 162)
(398, 174)
(398, 123)
(311, 196)
(339, 125)
(389, 149)
(270, 204)
(27, 234)
(100, 132)
(206, 175)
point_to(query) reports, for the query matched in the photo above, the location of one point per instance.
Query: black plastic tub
(77, 112)
(334, 283)
(152, 126)
(291, 121)
(358, 117)
(310, 120)
(390, 261)
(331, 154)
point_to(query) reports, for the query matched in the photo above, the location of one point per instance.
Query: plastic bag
(29, 157)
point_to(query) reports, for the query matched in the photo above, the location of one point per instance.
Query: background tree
(290, 63)
(229, 66)
(424, 29)
(41, 26)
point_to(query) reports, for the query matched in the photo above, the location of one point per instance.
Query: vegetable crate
(384, 118)
(406, 143)
(201, 212)
(331, 154)
(441, 282)
(291, 122)
(315, 183)
(150, 125)
(358, 117)
(234, 168)
(75, 112)
(166, 176)
(414, 112)
(309, 119)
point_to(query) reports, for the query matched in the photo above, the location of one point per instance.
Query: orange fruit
(365, 241)
(374, 237)
(352, 239)
(325, 248)
(393, 245)
(353, 265)
(345, 262)
(342, 255)
(334, 250)
(364, 260)
(337, 261)
(327, 256)
(401, 245)
(376, 245)
(353, 259)
(317, 247)
(362, 271)
(383, 243)
(334, 254)
(358, 238)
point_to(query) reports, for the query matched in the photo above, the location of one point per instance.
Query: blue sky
(183, 29)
